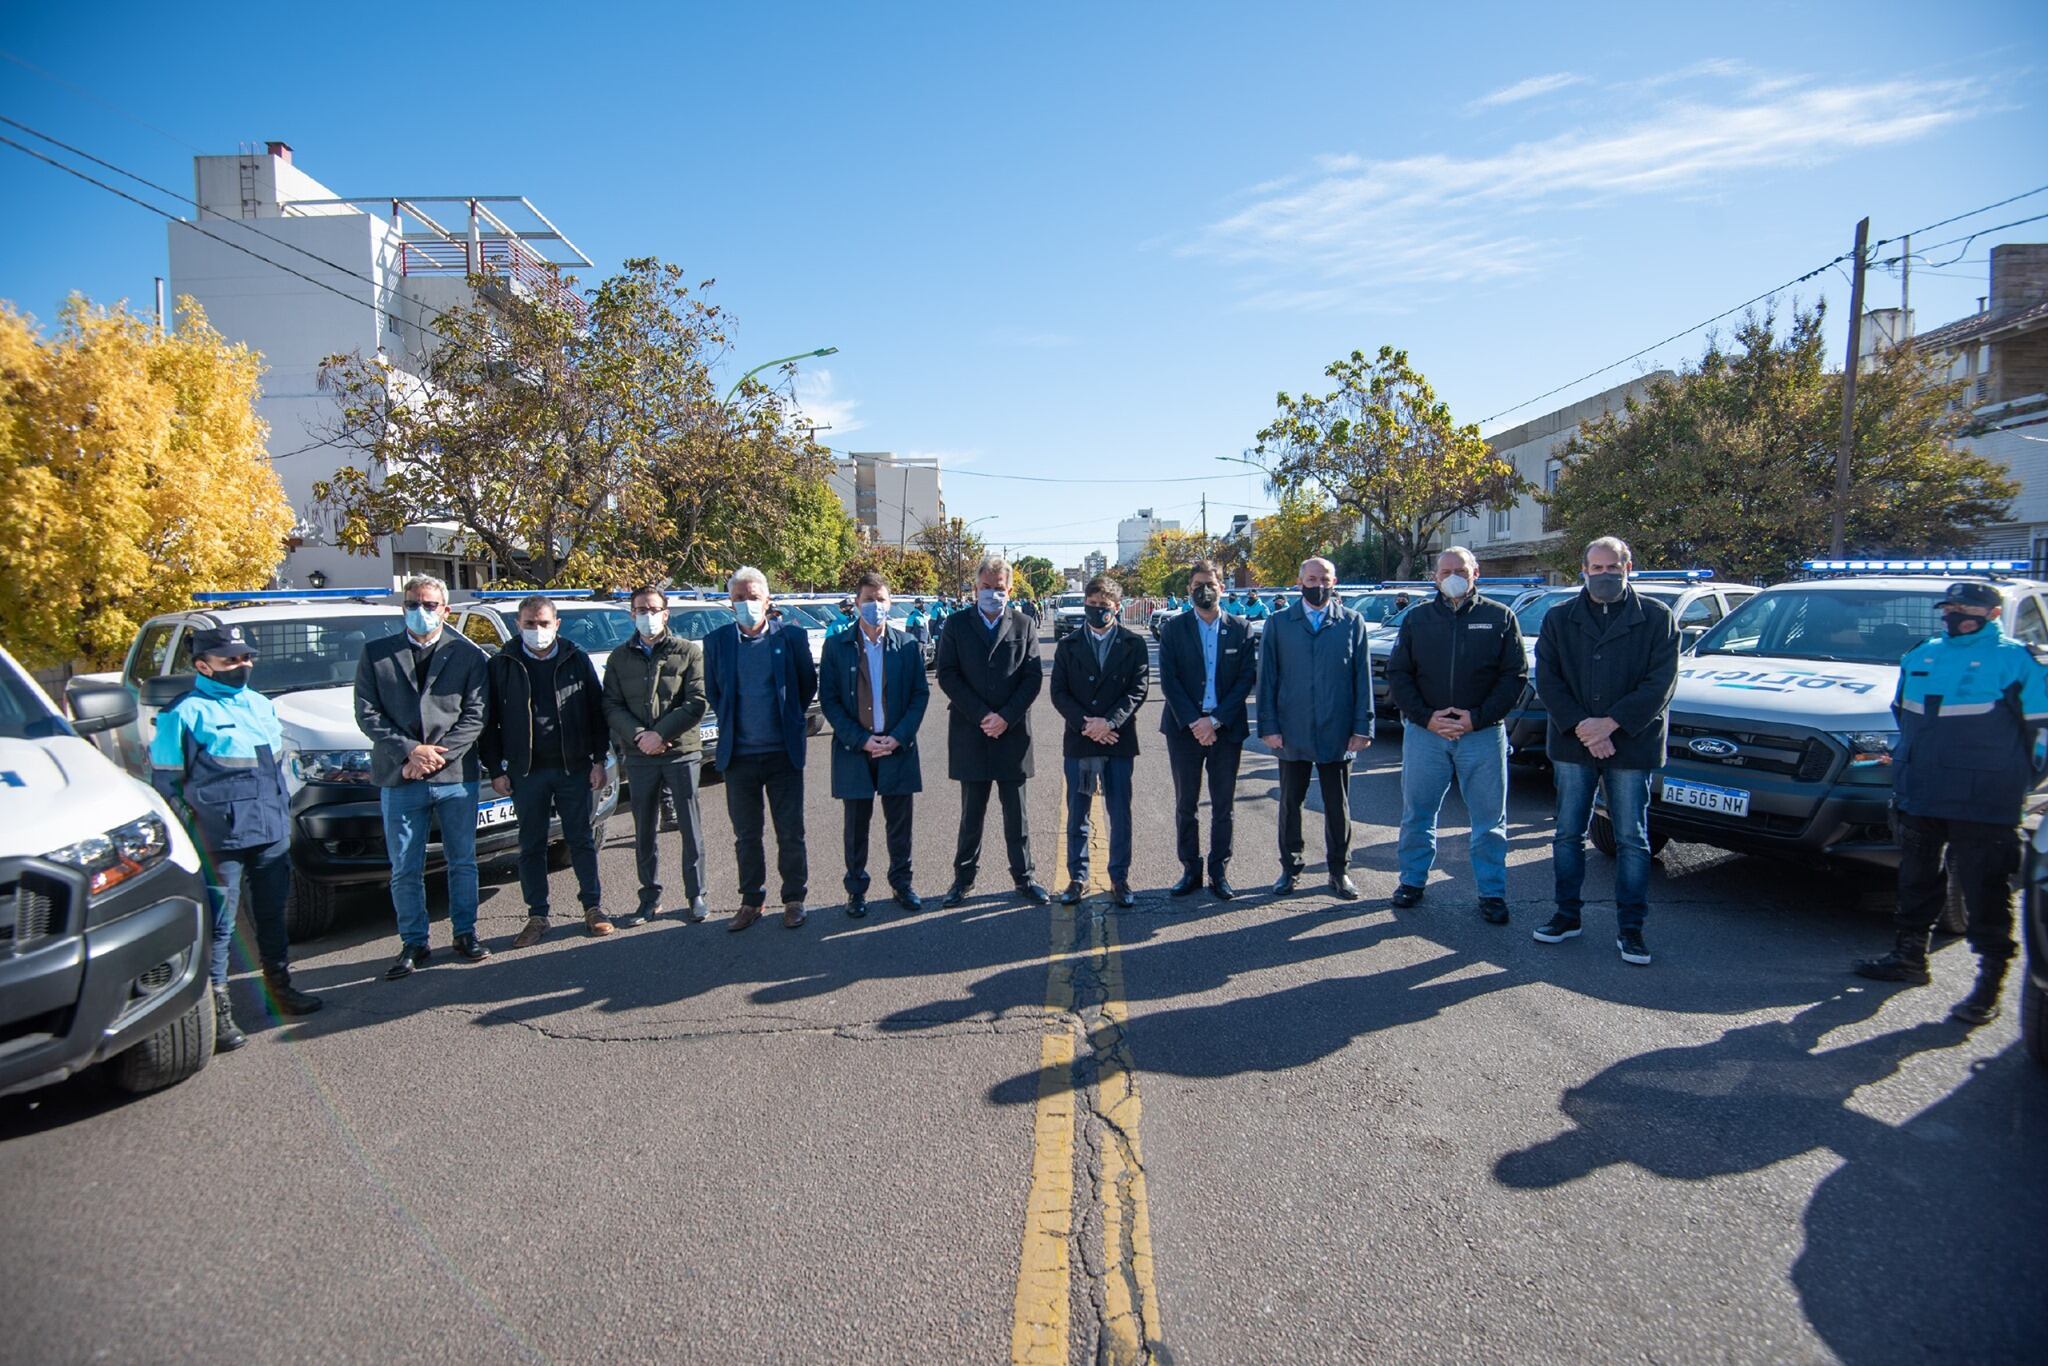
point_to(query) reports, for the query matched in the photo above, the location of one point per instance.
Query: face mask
(1099, 617)
(1961, 623)
(1315, 594)
(872, 613)
(1606, 587)
(650, 624)
(992, 600)
(1204, 595)
(539, 639)
(422, 621)
(1455, 585)
(236, 678)
(750, 612)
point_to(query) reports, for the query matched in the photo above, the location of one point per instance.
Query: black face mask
(1605, 588)
(1315, 594)
(1962, 623)
(237, 678)
(1099, 617)
(1205, 596)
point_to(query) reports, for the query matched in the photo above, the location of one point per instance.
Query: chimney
(281, 150)
(2019, 276)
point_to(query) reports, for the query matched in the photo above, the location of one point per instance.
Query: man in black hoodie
(544, 746)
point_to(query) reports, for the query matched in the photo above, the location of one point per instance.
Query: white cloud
(1345, 233)
(946, 459)
(1528, 89)
(816, 397)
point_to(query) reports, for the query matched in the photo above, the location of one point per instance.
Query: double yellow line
(1085, 997)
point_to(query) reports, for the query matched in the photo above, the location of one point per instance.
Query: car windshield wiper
(301, 687)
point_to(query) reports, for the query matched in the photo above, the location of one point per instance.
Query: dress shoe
(469, 949)
(742, 918)
(530, 933)
(227, 1035)
(1343, 888)
(856, 906)
(793, 915)
(286, 999)
(957, 894)
(1220, 888)
(1073, 894)
(696, 913)
(1286, 884)
(1406, 896)
(410, 956)
(633, 919)
(1034, 894)
(1493, 910)
(595, 925)
(1189, 884)
(1125, 897)
(909, 900)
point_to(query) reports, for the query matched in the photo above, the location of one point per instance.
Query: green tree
(954, 551)
(1384, 449)
(134, 474)
(1164, 566)
(1039, 573)
(1731, 465)
(1305, 525)
(905, 571)
(815, 540)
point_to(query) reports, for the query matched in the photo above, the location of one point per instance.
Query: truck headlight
(331, 765)
(1869, 748)
(124, 852)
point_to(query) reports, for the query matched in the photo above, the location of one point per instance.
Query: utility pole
(159, 305)
(1906, 288)
(1848, 440)
(1205, 516)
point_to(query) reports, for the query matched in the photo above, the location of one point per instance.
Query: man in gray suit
(420, 697)
(1315, 712)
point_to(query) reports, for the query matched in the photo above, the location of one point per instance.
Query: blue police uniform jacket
(1969, 709)
(219, 751)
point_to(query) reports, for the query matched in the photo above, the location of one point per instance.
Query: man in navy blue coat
(872, 690)
(761, 681)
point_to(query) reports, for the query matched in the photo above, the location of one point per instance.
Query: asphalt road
(1293, 1130)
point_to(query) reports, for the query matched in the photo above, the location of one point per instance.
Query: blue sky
(1089, 242)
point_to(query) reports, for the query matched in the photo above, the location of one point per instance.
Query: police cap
(1974, 593)
(221, 640)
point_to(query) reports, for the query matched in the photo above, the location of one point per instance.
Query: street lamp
(770, 365)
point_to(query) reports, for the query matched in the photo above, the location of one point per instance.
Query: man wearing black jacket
(1207, 666)
(544, 746)
(1456, 669)
(1099, 680)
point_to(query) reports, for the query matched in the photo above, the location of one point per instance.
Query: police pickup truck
(103, 913)
(1782, 730)
(307, 643)
(1397, 601)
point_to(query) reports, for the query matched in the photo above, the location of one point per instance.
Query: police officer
(1970, 707)
(217, 759)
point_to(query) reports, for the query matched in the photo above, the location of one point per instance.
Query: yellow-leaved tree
(132, 474)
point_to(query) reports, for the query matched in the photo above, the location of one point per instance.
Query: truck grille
(32, 910)
(1805, 760)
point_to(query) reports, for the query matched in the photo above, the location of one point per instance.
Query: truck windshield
(296, 654)
(1846, 625)
(1378, 608)
(695, 623)
(1074, 600)
(24, 715)
(594, 630)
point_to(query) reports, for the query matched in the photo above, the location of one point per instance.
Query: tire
(1955, 917)
(168, 1056)
(2033, 1015)
(310, 909)
(1602, 831)
(814, 724)
(558, 852)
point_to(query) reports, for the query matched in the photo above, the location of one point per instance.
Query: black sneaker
(1493, 910)
(469, 949)
(1557, 929)
(410, 956)
(1633, 950)
(1406, 896)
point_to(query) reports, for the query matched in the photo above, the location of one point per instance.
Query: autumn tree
(1304, 525)
(815, 539)
(1169, 555)
(905, 571)
(134, 473)
(1730, 465)
(1039, 572)
(1384, 449)
(954, 552)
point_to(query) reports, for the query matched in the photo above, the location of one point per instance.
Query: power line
(1966, 241)
(1957, 218)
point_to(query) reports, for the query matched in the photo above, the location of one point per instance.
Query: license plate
(1722, 801)
(708, 734)
(497, 812)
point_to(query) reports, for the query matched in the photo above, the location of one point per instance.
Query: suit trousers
(1334, 779)
(974, 814)
(896, 818)
(676, 778)
(748, 778)
(1189, 760)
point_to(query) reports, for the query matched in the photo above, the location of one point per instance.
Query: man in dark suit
(990, 672)
(1207, 667)
(761, 680)
(1315, 712)
(1099, 680)
(872, 690)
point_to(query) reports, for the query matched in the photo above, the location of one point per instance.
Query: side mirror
(1688, 637)
(98, 707)
(159, 692)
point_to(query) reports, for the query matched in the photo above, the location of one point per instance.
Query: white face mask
(650, 624)
(539, 639)
(1456, 585)
(750, 611)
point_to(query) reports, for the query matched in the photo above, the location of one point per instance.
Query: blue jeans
(409, 810)
(1479, 762)
(1116, 797)
(265, 873)
(1628, 808)
(549, 792)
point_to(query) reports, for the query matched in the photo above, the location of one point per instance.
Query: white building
(1133, 534)
(892, 497)
(1092, 564)
(385, 267)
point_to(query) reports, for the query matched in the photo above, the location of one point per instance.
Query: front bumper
(103, 975)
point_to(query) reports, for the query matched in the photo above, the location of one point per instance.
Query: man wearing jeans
(1456, 669)
(420, 698)
(1099, 680)
(544, 747)
(1606, 666)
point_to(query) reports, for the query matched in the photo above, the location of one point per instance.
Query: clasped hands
(424, 761)
(1098, 730)
(879, 746)
(1451, 723)
(1596, 733)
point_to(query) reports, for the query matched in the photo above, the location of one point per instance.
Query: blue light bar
(1671, 575)
(1516, 580)
(513, 594)
(294, 595)
(1917, 566)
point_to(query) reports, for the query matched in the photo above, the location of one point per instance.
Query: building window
(1501, 520)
